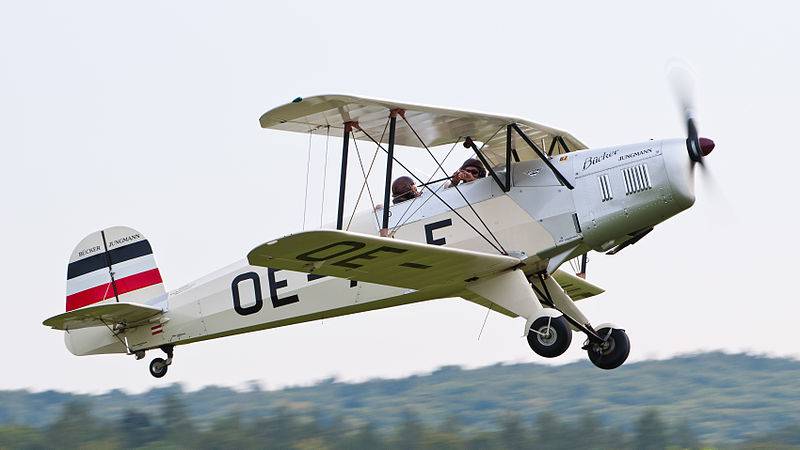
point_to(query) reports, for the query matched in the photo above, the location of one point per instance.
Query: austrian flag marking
(157, 329)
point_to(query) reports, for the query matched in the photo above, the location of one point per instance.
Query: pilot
(404, 189)
(471, 170)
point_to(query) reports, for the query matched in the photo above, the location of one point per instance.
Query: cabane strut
(504, 183)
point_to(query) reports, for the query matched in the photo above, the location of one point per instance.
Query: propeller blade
(681, 79)
(721, 207)
(682, 82)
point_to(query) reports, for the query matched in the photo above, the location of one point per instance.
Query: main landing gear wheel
(612, 352)
(158, 367)
(549, 336)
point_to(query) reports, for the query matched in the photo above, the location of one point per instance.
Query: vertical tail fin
(114, 265)
(111, 265)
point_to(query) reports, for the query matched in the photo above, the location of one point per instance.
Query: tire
(158, 367)
(549, 337)
(613, 352)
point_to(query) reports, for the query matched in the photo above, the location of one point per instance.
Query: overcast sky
(146, 114)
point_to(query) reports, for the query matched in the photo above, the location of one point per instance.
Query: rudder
(114, 264)
(110, 265)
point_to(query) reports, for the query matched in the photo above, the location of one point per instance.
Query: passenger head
(403, 189)
(474, 167)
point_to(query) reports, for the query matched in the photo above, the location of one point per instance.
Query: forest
(710, 400)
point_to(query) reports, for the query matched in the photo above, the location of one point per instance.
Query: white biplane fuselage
(619, 193)
(497, 241)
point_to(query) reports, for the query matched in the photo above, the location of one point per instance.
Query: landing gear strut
(551, 317)
(158, 366)
(608, 347)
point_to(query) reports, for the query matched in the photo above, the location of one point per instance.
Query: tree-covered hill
(721, 397)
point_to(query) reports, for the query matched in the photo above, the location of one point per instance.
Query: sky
(145, 114)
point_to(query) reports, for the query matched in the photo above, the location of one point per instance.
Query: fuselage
(618, 191)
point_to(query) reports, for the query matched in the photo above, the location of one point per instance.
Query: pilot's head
(404, 189)
(474, 167)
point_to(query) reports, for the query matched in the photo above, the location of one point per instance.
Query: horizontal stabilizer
(378, 260)
(107, 314)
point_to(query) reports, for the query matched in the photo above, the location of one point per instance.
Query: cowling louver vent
(637, 179)
(605, 188)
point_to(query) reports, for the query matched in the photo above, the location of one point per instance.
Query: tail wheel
(549, 336)
(613, 351)
(158, 367)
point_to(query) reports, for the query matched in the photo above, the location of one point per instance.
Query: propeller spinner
(698, 147)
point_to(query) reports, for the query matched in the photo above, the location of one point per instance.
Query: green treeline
(713, 398)
(170, 426)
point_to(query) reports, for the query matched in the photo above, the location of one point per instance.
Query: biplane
(499, 240)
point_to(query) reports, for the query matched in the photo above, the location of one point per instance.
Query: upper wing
(436, 126)
(106, 314)
(377, 260)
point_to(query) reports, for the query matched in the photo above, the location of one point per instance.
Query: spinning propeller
(682, 83)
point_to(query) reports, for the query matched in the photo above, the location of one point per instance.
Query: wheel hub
(604, 348)
(546, 335)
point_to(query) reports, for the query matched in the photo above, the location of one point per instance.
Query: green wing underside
(398, 263)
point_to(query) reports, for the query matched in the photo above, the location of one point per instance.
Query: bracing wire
(403, 219)
(573, 264)
(369, 191)
(324, 174)
(116, 335)
(400, 221)
(308, 170)
(455, 186)
(486, 142)
(488, 310)
(489, 241)
(366, 177)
